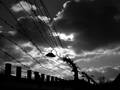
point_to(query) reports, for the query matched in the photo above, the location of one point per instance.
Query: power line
(27, 54)
(11, 26)
(48, 38)
(25, 35)
(44, 38)
(39, 10)
(13, 58)
(12, 40)
(15, 42)
(17, 21)
(18, 46)
(48, 14)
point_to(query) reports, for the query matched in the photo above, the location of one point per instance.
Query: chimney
(37, 76)
(29, 74)
(18, 72)
(7, 69)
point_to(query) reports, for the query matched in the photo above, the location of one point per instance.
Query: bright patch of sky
(23, 6)
(64, 36)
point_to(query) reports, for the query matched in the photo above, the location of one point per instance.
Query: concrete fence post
(7, 69)
(48, 78)
(18, 72)
(37, 76)
(29, 74)
(43, 77)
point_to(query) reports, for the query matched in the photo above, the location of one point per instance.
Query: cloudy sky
(85, 30)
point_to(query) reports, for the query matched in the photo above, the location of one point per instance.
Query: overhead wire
(48, 37)
(27, 54)
(25, 35)
(46, 13)
(18, 46)
(15, 19)
(14, 41)
(53, 26)
(39, 11)
(21, 25)
(13, 58)
(38, 29)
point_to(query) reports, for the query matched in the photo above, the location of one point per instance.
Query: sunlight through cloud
(23, 6)
(64, 36)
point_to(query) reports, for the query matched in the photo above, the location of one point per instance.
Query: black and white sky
(88, 29)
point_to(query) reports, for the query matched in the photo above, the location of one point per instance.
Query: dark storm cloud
(33, 29)
(96, 22)
(27, 29)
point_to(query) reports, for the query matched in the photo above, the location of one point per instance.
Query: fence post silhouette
(29, 74)
(43, 77)
(7, 69)
(56, 79)
(47, 78)
(18, 72)
(52, 79)
(37, 76)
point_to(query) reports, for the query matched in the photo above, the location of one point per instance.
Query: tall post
(55, 79)
(18, 72)
(7, 69)
(48, 78)
(37, 76)
(29, 74)
(43, 77)
(52, 79)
